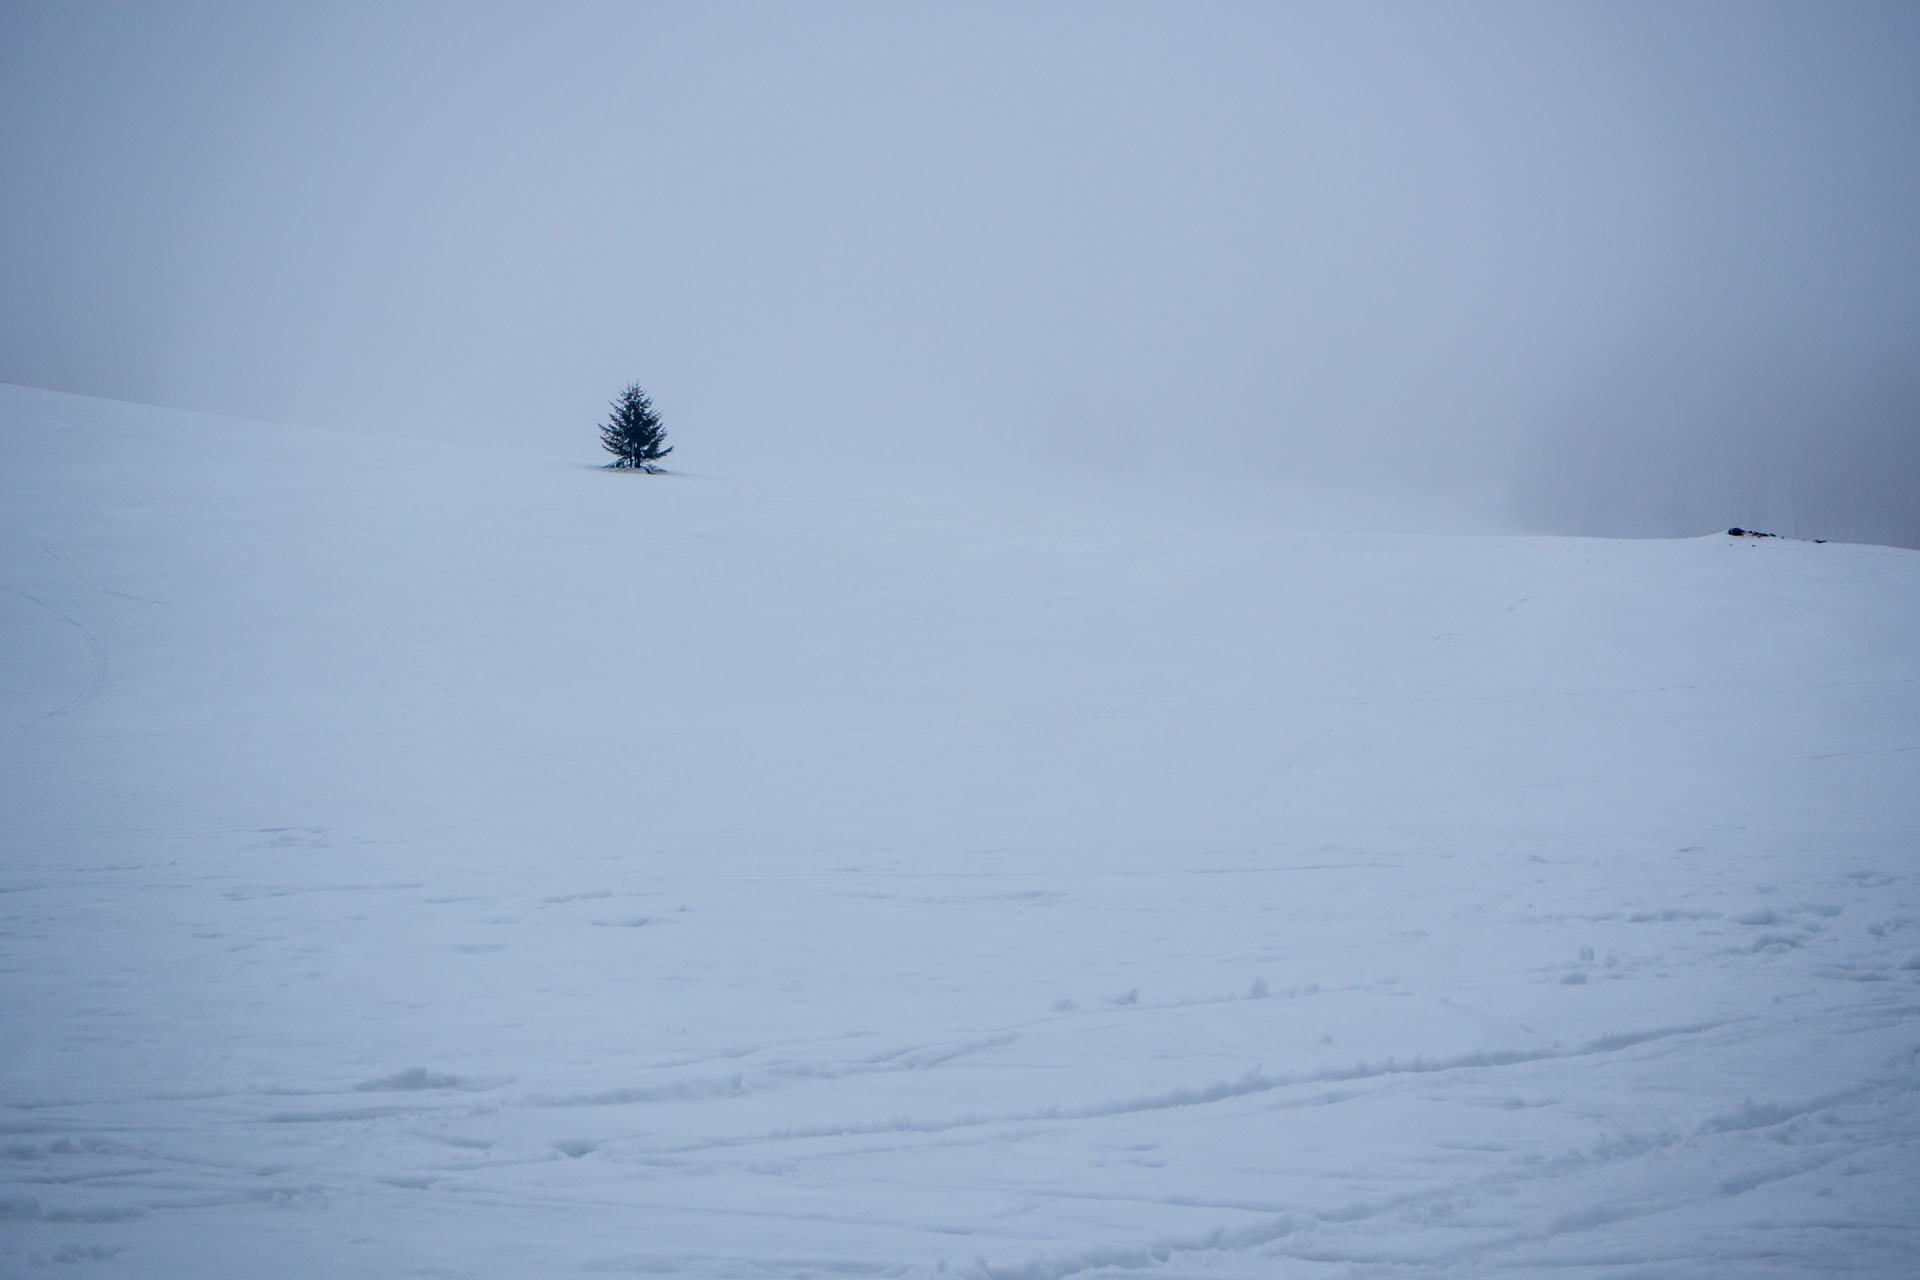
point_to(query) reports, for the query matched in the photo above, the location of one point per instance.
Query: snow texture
(453, 864)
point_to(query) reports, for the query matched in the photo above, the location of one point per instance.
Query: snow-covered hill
(419, 862)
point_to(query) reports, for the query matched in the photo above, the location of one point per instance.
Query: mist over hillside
(1649, 268)
(1802, 445)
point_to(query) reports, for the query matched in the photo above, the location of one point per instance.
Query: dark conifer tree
(633, 433)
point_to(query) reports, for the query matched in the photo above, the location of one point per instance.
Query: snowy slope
(432, 863)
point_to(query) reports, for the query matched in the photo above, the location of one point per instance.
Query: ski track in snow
(97, 661)
(91, 1171)
(1020, 894)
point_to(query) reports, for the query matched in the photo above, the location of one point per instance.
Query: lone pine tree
(633, 433)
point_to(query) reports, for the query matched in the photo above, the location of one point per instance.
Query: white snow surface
(426, 862)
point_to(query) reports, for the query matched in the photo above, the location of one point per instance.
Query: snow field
(440, 863)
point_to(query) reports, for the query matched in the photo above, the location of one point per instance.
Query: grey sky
(1600, 250)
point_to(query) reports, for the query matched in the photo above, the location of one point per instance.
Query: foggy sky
(1657, 267)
